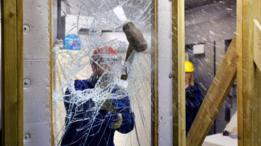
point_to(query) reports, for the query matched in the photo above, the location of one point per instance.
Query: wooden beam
(249, 76)
(50, 13)
(20, 64)
(154, 78)
(214, 98)
(240, 104)
(12, 75)
(178, 81)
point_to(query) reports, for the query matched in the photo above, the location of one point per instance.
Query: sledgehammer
(136, 42)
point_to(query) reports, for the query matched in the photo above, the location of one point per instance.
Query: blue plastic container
(72, 42)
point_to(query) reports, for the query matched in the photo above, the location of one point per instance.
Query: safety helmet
(105, 55)
(189, 67)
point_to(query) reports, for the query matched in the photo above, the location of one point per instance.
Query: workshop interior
(130, 73)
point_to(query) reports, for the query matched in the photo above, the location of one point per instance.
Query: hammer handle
(124, 76)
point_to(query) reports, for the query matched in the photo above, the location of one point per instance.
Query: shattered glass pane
(88, 108)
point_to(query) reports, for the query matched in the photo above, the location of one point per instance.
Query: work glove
(115, 120)
(114, 117)
(108, 106)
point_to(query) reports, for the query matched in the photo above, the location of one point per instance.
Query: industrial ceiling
(190, 4)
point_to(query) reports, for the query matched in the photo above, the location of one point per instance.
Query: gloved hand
(116, 121)
(108, 106)
(114, 118)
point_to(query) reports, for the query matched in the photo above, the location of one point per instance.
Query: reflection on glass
(102, 73)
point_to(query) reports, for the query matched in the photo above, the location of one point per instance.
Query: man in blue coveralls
(89, 123)
(194, 96)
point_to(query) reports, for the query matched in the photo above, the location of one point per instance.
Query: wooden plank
(12, 75)
(154, 89)
(214, 98)
(52, 139)
(20, 62)
(240, 104)
(178, 81)
(249, 75)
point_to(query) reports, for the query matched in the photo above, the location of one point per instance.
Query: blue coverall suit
(194, 99)
(96, 131)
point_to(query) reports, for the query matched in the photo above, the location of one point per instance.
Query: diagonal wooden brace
(214, 98)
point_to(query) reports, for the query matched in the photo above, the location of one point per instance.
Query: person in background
(194, 96)
(88, 124)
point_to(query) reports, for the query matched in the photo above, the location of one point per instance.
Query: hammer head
(135, 37)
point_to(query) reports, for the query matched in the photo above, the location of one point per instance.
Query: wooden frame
(50, 2)
(155, 97)
(240, 59)
(154, 76)
(12, 75)
(243, 9)
(214, 98)
(178, 81)
(249, 76)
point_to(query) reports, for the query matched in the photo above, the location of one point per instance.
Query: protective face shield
(105, 55)
(105, 59)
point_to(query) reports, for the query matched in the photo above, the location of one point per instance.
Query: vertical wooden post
(239, 72)
(154, 89)
(51, 69)
(178, 81)
(12, 75)
(249, 75)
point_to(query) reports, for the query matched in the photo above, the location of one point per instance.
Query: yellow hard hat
(189, 67)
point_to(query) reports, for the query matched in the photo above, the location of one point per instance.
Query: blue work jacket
(85, 126)
(194, 99)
